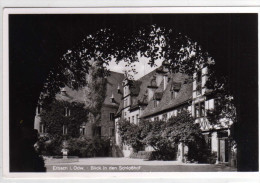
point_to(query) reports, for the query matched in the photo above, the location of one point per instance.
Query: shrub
(165, 136)
(212, 158)
(165, 148)
(159, 155)
(53, 147)
(199, 151)
(141, 155)
(88, 147)
(131, 134)
(54, 118)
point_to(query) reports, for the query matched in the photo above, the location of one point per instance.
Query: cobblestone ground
(147, 166)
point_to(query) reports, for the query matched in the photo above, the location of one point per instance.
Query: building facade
(106, 127)
(160, 94)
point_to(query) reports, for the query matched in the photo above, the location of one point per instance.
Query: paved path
(146, 166)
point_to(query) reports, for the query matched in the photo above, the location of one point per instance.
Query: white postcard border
(105, 175)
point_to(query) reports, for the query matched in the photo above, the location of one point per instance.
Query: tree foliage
(152, 41)
(54, 118)
(130, 134)
(88, 147)
(182, 128)
(95, 90)
(164, 136)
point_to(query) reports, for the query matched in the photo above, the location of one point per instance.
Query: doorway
(223, 150)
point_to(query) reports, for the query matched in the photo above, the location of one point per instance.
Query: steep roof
(138, 87)
(113, 81)
(71, 95)
(184, 94)
(178, 82)
(143, 82)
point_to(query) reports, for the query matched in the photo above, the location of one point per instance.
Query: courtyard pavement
(136, 165)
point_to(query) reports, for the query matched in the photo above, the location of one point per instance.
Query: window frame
(111, 116)
(199, 111)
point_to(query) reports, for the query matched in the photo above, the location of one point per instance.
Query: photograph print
(133, 92)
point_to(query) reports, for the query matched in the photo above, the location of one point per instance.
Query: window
(133, 119)
(98, 131)
(67, 111)
(64, 129)
(38, 109)
(112, 100)
(82, 131)
(198, 89)
(126, 90)
(129, 119)
(198, 83)
(198, 78)
(156, 118)
(155, 103)
(111, 132)
(137, 120)
(164, 117)
(208, 139)
(200, 109)
(42, 128)
(125, 102)
(112, 116)
(173, 94)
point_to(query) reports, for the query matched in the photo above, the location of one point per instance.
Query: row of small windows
(82, 130)
(67, 111)
(42, 129)
(165, 115)
(173, 96)
(134, 119)
(199, 111)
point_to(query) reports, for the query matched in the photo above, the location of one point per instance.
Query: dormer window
(118, 89)
(112, 99)
(173, 94)
(153, 81)
(164, 117)
(155, 103)
(175, 88)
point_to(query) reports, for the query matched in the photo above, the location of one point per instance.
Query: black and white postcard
(116, 92)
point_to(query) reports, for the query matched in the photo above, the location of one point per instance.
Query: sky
(141, 67)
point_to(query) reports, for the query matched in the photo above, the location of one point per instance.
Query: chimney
(165, 81)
